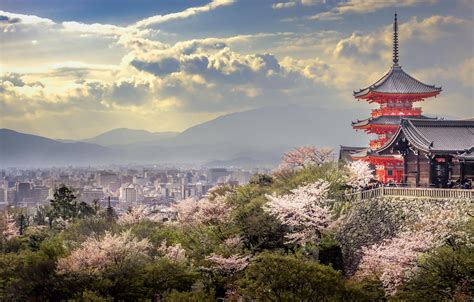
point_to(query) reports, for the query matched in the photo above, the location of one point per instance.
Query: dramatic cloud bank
(166, 72)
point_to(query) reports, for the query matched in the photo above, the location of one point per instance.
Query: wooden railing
(432, 193)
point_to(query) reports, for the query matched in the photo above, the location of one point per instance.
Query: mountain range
(257, 136)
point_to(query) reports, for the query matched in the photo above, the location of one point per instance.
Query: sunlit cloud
(363, 7)
(133, 75)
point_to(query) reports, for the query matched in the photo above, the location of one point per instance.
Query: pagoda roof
(390, 120)
(398, 82)
(436, 135)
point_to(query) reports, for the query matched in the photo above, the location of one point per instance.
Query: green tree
(273, 277)
(66, 206)
(446, 274)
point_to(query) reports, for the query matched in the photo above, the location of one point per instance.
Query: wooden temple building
(410, 147)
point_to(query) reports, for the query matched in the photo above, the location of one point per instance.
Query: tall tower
(395, 94)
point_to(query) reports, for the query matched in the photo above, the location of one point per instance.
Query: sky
(73, 69)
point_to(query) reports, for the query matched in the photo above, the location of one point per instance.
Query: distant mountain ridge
(20, 149)
(125, 136)
(243, 138)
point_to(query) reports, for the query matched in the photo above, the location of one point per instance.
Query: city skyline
(75, 70)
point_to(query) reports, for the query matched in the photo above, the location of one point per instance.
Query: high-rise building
(130, 194)
(214, 174)
(105, 177)
(89, 195)
(23, 190)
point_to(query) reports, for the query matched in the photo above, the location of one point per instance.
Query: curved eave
(373, 157)
(414, 138)
(375, 96)
(390, 141)
(368, 127)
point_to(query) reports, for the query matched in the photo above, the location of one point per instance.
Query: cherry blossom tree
(228, 265)
(9, 228)
(134, 215)
(213, 211)
(172, 252)
(359, 174)
(95, 255)
(394, 260)
(205, 210)
(305, 211)
(306, 156)
(187, 209)
(233, 242)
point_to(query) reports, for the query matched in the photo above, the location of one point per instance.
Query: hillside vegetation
(282, 237)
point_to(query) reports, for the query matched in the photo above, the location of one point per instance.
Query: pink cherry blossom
(172, 252)
(359, 174)
(305, 211)
(95, 255)
(134, 215)
(9, 228)
(306, 156)
(229, 265)
(205, 210)
(394, 260)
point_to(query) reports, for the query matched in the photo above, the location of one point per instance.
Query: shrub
(272, 277)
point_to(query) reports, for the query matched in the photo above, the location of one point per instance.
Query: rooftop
(437, 136)
(384, 120)
(396, 82)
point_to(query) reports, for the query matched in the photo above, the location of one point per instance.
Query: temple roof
(397, 81)
(436, 136)
(384, 120)
(367, 153)
(346, 151)
(467, 155)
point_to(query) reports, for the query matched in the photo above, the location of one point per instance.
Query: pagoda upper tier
(382, 124)
(397, 85)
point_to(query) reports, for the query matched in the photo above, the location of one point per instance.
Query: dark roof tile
(396, 81)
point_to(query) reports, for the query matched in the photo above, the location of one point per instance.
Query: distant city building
(40, 194)
(104, 178)
(214, 174)
(128, 194)
(23, 190)
(90, 195)
(139, 180)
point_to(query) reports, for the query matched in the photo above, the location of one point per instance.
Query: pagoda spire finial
(395, 41)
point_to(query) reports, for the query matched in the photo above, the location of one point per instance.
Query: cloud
(137, 29)
(363, 7)
(11, 18)
(96, 28)
(161, 67)
(14, 78)
(361, 47)
(189, 12)
(129, 93)
(4, 20)
(466, 72)
(148, 75)
(281, 5)
(289, 4)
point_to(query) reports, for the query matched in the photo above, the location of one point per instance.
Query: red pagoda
(395, 94)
